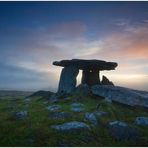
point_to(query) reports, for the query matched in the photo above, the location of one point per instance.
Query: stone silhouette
(90, 72)
(105, 81)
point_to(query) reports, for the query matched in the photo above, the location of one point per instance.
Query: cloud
(130, 43)
(20, 78)
(68, 29)
(31, 56)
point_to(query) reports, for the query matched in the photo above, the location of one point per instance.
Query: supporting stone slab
(68, 79)
(90, 77)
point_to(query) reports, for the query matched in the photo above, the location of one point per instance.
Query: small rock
(71, 126)
(54, 108)
(77, 107)
(141, 121)
(121, 131)
(20, 115)
(100, 113)
(117, 123)
(45, 102)
(26, 100)
(59, 115)
(91, 118)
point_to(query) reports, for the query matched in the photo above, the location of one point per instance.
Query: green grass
(35, 129)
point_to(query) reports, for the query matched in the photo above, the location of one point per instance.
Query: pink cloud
(68, 29)
(130, 44)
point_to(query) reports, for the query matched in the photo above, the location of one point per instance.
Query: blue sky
(34, 34)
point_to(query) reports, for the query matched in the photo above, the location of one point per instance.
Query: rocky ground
(74, 120)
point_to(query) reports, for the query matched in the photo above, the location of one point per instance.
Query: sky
(34, 34)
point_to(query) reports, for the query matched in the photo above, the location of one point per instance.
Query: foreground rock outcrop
(121, 95)
(142, 121)
(42, 94)
(122, 131)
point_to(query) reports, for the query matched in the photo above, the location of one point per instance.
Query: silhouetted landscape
(73, 74)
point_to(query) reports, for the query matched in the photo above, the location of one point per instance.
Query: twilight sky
(34, 34)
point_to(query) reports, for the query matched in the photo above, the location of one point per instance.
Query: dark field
(34, 129)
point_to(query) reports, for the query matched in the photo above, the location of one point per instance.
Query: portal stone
(90, 77)
(68, 79)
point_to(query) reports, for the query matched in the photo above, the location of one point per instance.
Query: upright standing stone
(90, 77)
(68, 79)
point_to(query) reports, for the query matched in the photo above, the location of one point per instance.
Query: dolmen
(90, 73)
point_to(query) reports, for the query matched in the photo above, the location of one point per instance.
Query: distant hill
(11, 93)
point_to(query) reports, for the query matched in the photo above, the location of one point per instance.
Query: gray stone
(90, 77)
(91, 118)
(42, 94)
(117, 123)
(121, 131)
(71, 126)
(68, 79)
(77, 107)
(54, 108)
(142, 121)
(59, 115)
(100, 113)
(121, 95)
(77, 104)
(105, 81)
(87, 64)
(20, 114)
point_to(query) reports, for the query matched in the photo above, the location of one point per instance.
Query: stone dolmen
(90, 72)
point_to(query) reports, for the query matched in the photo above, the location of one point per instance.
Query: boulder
(105, 81)
(142, 121)
(121, 131)
(120, 95)
(68, 79)
(54, 108)
(71, 126)
(59, 115)
(91, 118)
